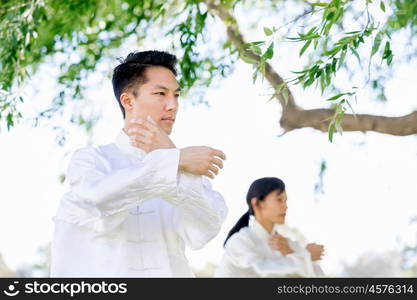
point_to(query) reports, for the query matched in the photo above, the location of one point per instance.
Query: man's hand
(201, 160)
(148, 136)
(316, 251)
(280, 243)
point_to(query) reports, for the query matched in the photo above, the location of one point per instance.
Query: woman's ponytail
(259, 189)
(242, 222)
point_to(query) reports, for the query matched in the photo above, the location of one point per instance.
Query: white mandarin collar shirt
(247, 254)
(131, 214)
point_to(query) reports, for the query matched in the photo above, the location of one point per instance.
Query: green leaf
(262, 68)
(387, 53)
(309, 33)
(10, 121)
(305, 47)
(272, 97)
(315, 43)
(341, 59)
(334, 63)
(338, 127)
(268, 31)
(322, 83)
(355, 53)
(248, 60)
(301, 72)
(257, 43)
(350, 106)
(285, 94)
(382, 5)
(332, 52)
(269, 53)
(377, 43)
(318, 4)
(331, 131)
(330, 16)
(279, 87)
(309, 81)
(328, 73)
(389, 60)
(335, 97)
(256, 49)
(353, 32)
(295, 39)
(387, 49)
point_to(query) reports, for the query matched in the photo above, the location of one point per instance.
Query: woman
(263, 248)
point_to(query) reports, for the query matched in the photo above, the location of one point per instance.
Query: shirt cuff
(164, 169)
(188, 186)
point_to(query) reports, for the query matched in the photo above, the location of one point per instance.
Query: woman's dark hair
(259, 189)
(131, 70)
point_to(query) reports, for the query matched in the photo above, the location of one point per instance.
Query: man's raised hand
(148, 136)
(201, 160)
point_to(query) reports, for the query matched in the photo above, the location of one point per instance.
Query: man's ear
(126, 101)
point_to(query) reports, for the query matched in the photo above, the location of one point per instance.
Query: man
(135, 204)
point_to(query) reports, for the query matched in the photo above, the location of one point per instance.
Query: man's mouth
(168, 119)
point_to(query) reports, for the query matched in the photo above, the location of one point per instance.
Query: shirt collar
(258, 229)
(264, 234)
(122, 142)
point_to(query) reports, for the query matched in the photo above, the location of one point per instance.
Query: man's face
(157, 98)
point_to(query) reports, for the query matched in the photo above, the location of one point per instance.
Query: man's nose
(172, 104)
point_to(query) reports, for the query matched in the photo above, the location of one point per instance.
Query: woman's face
(274, 207)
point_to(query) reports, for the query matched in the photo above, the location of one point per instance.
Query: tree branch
(319, 119)
(234, 35)
(294, 117)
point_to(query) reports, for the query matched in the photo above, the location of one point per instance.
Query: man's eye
(176, 96)
(160, 93)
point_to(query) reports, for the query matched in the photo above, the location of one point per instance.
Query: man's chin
(167, 130)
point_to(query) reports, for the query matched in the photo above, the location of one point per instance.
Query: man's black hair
(131, 70)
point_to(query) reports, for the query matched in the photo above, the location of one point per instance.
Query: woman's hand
(280, 243)
(316, 251)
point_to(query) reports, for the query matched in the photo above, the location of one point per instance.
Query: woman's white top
(247, 254)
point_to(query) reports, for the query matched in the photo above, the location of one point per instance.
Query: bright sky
(370, 190)
(370, 184)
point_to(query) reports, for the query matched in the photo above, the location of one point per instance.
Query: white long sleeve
(200, 210)
(112, 191)
(243, 253)
(101, 195)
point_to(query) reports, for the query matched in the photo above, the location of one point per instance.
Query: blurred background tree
(78, 35)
